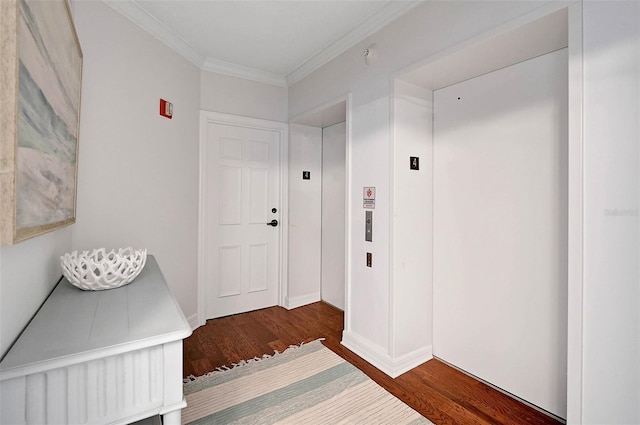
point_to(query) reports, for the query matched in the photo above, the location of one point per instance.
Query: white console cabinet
(98, 357)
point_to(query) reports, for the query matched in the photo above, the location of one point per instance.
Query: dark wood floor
(439, 392)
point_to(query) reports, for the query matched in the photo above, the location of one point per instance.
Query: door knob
(273, 223)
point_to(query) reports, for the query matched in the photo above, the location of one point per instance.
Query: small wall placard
(369, 198)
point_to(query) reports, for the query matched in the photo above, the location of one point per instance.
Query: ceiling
(273, 41)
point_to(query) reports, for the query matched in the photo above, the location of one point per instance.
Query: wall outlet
(369, 259)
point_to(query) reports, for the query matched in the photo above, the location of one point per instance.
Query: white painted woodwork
(500, 228)
(240, 186)
(332, 285)
(196, 31)
(88, 357)
(611, 126)
(575, 216)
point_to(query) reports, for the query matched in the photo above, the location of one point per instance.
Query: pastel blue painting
(48, 105)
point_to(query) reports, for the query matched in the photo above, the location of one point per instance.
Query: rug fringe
(192, 378)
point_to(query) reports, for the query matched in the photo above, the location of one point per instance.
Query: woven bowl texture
(98, 269)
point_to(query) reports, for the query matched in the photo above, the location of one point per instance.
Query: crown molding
(141, 18)
(383, 17)
(242, 71)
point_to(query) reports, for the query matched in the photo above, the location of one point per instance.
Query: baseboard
(194, 322)
(375, 355)
(410, 360)
(295, 302)
(365, 349)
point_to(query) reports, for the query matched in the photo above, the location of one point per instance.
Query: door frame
(209, 117)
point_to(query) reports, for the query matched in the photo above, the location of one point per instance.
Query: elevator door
(500, 228)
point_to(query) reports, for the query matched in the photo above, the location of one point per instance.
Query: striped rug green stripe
(307, 385)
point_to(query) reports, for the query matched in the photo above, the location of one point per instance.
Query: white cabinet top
(76, 326)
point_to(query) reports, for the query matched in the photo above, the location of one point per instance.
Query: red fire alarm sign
(166, 109)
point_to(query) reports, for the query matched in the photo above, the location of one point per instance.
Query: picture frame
(40, 88)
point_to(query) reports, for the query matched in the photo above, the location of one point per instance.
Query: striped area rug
(306, 385)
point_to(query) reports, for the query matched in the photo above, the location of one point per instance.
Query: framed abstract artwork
(40, 85)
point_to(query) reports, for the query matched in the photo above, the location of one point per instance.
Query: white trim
(283, 129)
(284, 216)
(381, 360)
(131, 10)
(229, 119)
(194, 321)
(392, 212)
(383, 17)
(241, 71)
(348, 216)
(295, 302)
(201, 292)
(143, 19)
(368, 351)
(575, 219)
(410, 360)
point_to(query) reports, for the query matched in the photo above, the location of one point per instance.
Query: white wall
(412, 233)
(138, 171)
(231, 95)
(305, 219)
(333, 214)
(427, 30)
(28, 272)
(611, 327)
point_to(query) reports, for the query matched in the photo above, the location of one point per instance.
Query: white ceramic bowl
(103, 270)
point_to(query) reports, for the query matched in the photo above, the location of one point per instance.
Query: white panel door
(241, 195)
(500, 228)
